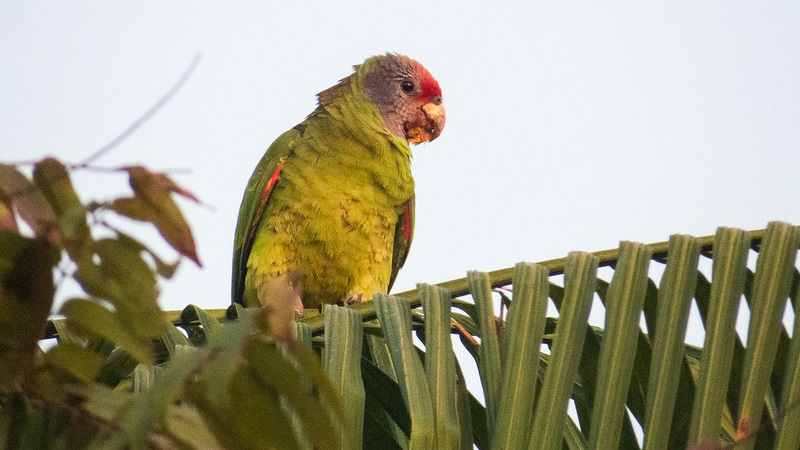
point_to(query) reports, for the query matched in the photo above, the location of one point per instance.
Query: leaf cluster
(115, 372)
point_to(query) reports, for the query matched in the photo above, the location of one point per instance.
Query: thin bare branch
(146, 116)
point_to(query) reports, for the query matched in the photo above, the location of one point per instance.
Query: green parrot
(328, 214)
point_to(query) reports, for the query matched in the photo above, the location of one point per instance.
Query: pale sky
(571, 126)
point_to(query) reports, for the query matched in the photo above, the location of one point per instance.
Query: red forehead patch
(429, 87)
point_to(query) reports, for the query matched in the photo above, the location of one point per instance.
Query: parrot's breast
(330, 222)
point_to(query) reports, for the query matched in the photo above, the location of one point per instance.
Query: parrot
(327, 216)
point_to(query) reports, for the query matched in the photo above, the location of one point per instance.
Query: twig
(465, 333)
(145, 117)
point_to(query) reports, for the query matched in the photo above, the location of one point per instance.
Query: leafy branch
(106, 374)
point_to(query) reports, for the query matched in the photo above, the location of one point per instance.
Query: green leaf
(479, 431)
(464, 410)
(66, 335)
(384, 402)
(51, 176)
(468, 308)
(143, 377)
(186, 425)
(440, 365)
(466, 323)
(26, 296)
(301, 335)
(489, 364)
(342, 363)
(310, 364)
(122, 265)
(787, 435)
(93, 319)
(173, 339)
(232, 395)
(580, 279)
(253, 417)
(271, 367)
(674, 299)
(163, 268)
(623, 310)
(379, 352)
(149, 408)
(211, 326)
(395, 319)
(139, 418)
(773, 280)
(522, 338)
(227, 343)
(53, 180)
(117, 370)
(94, 282)
(78, 361)
(730, 258)
(383, 394)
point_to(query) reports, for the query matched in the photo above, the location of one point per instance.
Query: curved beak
(436, 117)
(428, 124)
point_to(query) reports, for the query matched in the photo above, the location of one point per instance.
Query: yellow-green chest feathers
(330, 223)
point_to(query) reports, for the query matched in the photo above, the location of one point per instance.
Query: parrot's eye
(407, 86)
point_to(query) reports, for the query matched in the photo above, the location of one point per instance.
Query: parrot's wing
(403, 233)
(256, 196)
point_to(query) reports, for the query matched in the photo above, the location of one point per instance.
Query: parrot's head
(405, 94)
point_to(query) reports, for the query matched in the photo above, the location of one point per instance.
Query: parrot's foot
(352, 299)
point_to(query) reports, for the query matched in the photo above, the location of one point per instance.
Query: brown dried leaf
(8, 221)
(743, 429)
(154, 204)
(31, 204)
(146, 183)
